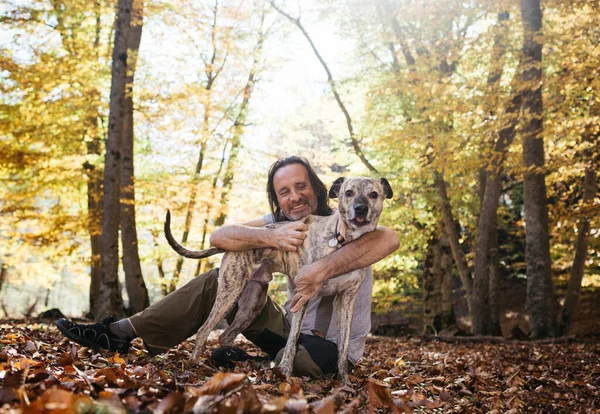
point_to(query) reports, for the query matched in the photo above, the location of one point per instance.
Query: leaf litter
(43, 372)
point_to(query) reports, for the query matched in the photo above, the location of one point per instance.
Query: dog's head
(360, 201)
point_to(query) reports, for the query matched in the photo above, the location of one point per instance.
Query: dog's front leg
(344, 303)
(287, 361)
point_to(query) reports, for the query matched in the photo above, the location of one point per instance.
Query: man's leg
(162, 325)
(315, 356)
(178, 315)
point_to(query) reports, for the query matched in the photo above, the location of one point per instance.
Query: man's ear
(386, 188)
(334, 191)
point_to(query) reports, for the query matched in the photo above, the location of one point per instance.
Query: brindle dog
(244, 275)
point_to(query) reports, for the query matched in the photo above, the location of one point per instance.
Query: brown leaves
(221, 381)
(396, 375)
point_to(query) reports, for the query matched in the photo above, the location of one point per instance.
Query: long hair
(319, 188)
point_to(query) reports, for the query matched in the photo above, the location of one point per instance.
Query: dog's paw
(286, 370)
(194, 358)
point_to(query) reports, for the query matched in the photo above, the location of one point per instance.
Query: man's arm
(252, 235)
(363, 252)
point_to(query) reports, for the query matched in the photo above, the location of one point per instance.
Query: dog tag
(333, 242)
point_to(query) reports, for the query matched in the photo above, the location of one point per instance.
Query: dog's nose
(361, 210)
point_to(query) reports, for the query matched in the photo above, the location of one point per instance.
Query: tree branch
(333, 87)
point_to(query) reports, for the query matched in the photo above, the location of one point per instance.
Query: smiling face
(295, 195)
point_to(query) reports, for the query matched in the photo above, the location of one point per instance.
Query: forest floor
(42, 372)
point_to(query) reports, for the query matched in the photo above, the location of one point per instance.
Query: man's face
(295, 194)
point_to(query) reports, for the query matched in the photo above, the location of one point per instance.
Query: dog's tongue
(360, 219)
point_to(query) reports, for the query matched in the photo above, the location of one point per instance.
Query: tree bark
(569, 309)
(201, 264)
(94, 183)
(159, 263)
(134, 280)
(438, 312)
(432, 276)
(483, 298)
(94, 202)
(453, 238)
(447, 315)
(541, 307)
(110, 300)
(238, 129)
(3, 274)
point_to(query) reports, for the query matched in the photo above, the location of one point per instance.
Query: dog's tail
(192, 254)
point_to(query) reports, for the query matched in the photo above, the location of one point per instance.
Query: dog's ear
(334, 191)
(387, 188)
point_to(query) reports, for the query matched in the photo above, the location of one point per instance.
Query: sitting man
(294, 191)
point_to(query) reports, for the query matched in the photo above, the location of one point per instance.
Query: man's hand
(308, 284)
(289, 236)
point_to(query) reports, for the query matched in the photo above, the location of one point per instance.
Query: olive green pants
(180, 314)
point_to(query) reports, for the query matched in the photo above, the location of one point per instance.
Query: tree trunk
(159, 263)
(453, 238)
(94, 201)
(540, 294)
(94, 184)
(487, 236)
(201, 265)
(353, 139)
(569, 309)
(211, 75)
(432, 276)
(134, 280)
(238, 131)
(447, 315)
(438, 312)
(3, 274)
(110, 300)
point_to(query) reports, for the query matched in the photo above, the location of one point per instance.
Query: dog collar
(337, 238)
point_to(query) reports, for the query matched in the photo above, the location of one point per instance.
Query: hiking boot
(225, 355)
(96, 336)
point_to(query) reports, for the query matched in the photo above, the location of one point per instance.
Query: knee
(304, 366)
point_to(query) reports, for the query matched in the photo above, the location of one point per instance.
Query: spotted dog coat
(244, 275)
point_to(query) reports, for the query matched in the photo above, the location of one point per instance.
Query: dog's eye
(349, 193)
(373, 194)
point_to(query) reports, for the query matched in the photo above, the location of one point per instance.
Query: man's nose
(294, 195)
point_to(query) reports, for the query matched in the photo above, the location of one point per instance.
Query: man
(294, 191)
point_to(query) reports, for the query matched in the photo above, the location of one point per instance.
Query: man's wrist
(321, 271)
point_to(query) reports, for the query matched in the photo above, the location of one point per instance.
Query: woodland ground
(42, 372)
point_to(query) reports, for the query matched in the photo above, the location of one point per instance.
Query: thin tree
(240, 123)
(353, 139)
(449, 222)
(590, 189)
(93, 173)
(134, 280)
(212, 71)
(110, 300)
(486, 314)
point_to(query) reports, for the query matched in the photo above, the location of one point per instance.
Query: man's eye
(373, 194)
(349, 193)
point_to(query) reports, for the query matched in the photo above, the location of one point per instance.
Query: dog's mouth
(359, 221)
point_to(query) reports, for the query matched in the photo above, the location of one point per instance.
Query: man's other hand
(289, 236)
(308, 284)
